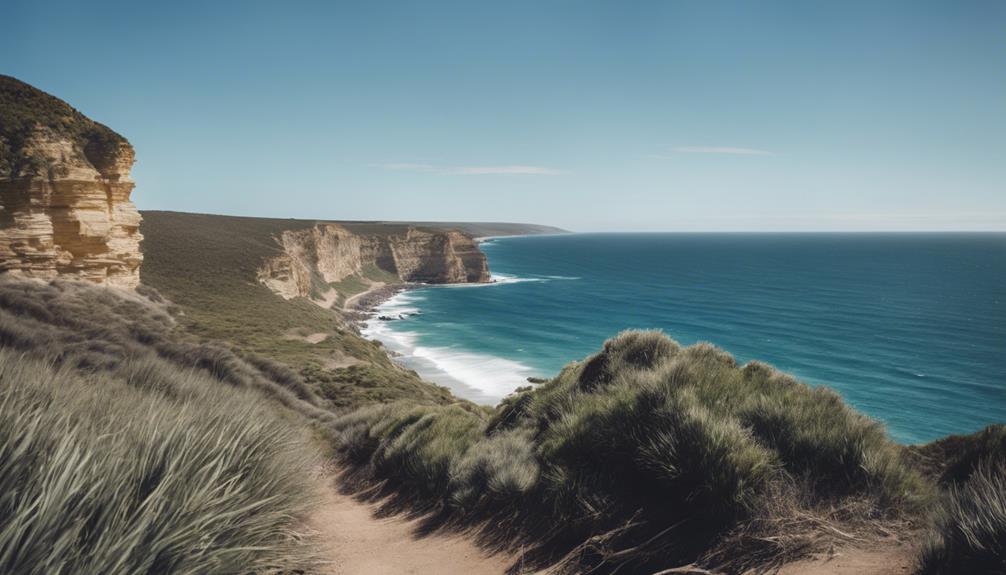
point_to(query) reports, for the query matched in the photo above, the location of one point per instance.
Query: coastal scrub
(645, 454)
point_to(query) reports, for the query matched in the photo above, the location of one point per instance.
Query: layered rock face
(330, 253)
(65, 206)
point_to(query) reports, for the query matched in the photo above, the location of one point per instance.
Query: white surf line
(479, 377)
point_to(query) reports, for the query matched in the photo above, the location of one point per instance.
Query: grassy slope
(207, 266)
(133, 432)
(647, 455)
(126, 449)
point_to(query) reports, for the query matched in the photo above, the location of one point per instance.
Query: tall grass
(163, 471)
(94, 329)
(970, 534)
(644, 455)
(126, 447)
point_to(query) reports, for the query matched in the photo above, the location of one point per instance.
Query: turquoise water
(909, 328)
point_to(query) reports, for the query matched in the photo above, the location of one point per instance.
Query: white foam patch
(503, 279)
(494, 377)
(474, 376)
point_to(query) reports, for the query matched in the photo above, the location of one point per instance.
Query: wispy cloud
(507, 170)
(727, 150)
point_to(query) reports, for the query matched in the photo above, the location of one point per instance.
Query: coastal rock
(65, 206)
(328, 253)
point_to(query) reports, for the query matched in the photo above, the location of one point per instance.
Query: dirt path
(891, 560)
(356, 542)
(351, 301)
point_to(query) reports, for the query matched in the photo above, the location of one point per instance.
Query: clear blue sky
(587, 115)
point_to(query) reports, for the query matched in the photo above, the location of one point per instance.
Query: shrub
(643, 455)
(498, 468)
(628, 350)
(986, 447)
(418, 449)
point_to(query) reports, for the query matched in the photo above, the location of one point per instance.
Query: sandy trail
(351, 301)
(893, 559)
(354, 541)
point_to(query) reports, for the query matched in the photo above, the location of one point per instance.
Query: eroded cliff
(65, 189)
(317, 259)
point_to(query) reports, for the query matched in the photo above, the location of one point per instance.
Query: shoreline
(445, 366)
(366, 303)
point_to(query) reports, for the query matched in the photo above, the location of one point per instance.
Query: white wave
(503, 279)
(495, 279)
(397, 305)
(401, 342)
(563, 277)
(474, 376)
(493, 377)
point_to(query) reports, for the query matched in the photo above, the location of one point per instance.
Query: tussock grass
(970, 535)
(152, 470)
(94, 329)
(125, 448)
(645, 455)
(969, 524)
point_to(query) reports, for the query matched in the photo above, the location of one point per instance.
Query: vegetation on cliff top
(23, 108)
(643, 456)
(126, 450)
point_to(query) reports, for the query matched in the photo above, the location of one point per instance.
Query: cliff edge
(317, 259)
(65, 190)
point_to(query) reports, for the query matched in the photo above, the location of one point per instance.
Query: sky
(592, 116)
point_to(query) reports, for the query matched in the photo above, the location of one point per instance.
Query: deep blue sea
(909, 328)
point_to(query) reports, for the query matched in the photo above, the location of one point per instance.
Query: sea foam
(477, 377)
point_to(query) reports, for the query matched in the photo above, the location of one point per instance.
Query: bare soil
(355, 541)
(893, 559)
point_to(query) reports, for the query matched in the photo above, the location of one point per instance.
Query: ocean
(909, 328)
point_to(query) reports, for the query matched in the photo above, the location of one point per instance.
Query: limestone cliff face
(330, 253)
(64, 193)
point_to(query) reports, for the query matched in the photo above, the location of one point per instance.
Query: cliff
(65, 189)
(316, 258)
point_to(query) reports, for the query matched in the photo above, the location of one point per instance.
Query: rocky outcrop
(316, 257)
(65, 189)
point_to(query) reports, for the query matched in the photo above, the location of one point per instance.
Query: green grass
(643, 456)
(145, 469)
(128, 447)
(97, 330)
(207, 265)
